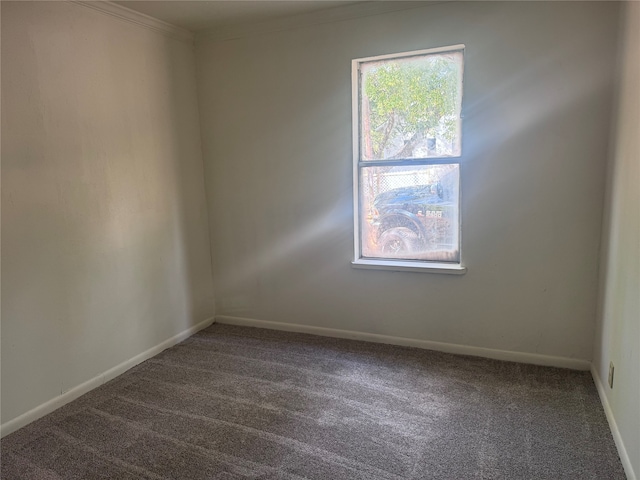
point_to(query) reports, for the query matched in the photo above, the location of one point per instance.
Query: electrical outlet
(611, 369)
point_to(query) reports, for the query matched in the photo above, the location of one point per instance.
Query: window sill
(410, 266)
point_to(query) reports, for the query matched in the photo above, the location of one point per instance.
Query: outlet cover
(611, 369)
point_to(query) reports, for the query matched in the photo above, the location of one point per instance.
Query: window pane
(410, 107)
(410, 213)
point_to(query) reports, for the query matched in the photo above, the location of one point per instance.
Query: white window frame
(385, 264)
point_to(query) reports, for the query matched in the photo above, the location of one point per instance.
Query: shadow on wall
(105, 249)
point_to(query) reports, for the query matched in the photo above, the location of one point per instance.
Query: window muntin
(407, 141)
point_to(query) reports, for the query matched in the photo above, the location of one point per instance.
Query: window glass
(410, 213)
(410, 107)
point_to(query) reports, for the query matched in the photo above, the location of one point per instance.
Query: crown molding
(136, 18)
(336, 14)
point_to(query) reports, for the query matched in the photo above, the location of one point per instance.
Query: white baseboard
(622, 451)
(520, 357)
(70, 395)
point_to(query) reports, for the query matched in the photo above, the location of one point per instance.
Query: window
(407, 148)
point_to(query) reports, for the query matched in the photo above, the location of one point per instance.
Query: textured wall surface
(618, 332)
(276, 121)
(105, 248)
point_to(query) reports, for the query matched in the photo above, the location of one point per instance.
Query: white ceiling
(210, 14)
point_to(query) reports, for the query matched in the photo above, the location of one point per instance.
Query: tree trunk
(409, 145)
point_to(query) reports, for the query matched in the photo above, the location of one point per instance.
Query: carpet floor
(247, 403)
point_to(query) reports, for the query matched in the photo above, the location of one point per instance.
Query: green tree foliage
(407, 101)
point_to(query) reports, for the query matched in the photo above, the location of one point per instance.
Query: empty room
(329, 240)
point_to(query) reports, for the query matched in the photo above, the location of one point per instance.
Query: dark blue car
(413, 219)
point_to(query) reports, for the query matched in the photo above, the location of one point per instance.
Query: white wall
(276, 123)
(105, 248)
(618, 333)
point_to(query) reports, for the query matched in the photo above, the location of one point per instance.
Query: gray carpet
(246, 403)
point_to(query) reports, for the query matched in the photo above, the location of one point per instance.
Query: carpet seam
(287, 441)
(391, 390)
(70, 439)
(227, 459)
(350, 402)
(223, 397)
